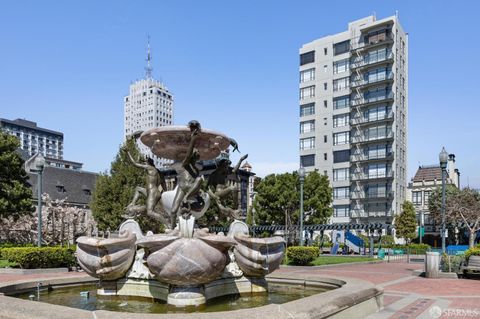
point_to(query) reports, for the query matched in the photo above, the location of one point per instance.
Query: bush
(39, 257)
(475, 251)
(387, 241)
(300, 255)
(11, 245)
(419, 247)
(451, 263)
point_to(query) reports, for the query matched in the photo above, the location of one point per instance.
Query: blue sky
(232, 65)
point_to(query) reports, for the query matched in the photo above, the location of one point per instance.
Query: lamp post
(443, 157)
(301, 174)
(36, 165)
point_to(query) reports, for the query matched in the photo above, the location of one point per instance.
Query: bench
(473, 265)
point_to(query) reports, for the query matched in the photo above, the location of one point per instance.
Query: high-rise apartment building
(149, 104)
(353, 117)
(34, 139)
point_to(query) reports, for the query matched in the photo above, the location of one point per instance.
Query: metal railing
(366, 120)
(365, 157)
(366, 138)
(368, 176)
(380, 77)
(366, 100)
(366, 60)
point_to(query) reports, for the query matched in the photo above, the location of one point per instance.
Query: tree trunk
(471, 238)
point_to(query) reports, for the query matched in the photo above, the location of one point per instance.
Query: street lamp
(301, 174)
(36, 165)
(443, 157)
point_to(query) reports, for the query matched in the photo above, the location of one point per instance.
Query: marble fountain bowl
(183, 261)
(107, 259)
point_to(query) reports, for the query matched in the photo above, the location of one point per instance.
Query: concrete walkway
(405, 295)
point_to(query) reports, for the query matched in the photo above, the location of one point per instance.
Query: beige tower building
(353, 117)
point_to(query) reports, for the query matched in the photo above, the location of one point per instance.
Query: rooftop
(428, 173)
(29, 124)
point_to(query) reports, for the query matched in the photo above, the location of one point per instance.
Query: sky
(233, 66)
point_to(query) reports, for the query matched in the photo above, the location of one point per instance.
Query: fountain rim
(351, 293)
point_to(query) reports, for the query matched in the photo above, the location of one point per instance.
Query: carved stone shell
(257, 257)
(186, 261)
(107, 259)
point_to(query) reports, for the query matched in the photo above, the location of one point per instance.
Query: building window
(325, 138)
(341, 120)
(377, 170)
(325, 156)
(378, 132)
(341, 174)
(376, 75)
(307, 160)
(341, 138)
(325, 103)
(307, 126)
(308, 57)
(325, 86)
(341, 156)
(377, 36)
(307, 143)
(376, 191)
(376, 113)
(341, 211)
(307, 92)
(307, 75)
(307, 109)
(325, 68)
(325, 51)
(341, 66)
(417, 198)
(341, 47)
(426, 196)
(376, 55)
(378, 151)
(378, 94)
(341, 192)
(341, 102)
(341, 84)
(325, 122)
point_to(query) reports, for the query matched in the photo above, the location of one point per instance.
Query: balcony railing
(366, 120)
(364, 45)
(370, 176)
(367, 60)
(379, 78)
(363, 138)
(361, 195)
(360, 213)
(366, 157)
(366, 100)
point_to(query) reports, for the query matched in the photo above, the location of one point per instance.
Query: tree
(406, 222)
(15, 192)
(114, 191)
(278, 199)
(461, 207)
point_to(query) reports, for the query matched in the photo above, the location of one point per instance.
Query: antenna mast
(148, 68)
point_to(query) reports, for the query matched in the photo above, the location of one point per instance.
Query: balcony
(385, 39)
(363, 138)
(366, 61)
(365, 157)
(365, 83)
(369, 176)
(388, 116)
(380, 195)
(367, 101)
(361, 213)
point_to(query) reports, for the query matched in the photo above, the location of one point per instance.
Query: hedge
(39, 257)
(474, 251)
(302, 255)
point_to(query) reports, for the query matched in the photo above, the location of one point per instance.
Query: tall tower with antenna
(149, 104)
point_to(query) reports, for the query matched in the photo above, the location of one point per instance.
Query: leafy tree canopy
(278, 199)
(15, 192)
(406, 222)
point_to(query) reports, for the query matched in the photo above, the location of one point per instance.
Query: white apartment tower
(148, 105)
(353, 117)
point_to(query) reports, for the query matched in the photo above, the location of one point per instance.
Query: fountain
(186, 265)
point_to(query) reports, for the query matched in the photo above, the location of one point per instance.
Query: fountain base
(182, 296)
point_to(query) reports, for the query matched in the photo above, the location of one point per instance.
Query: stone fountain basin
(107, 259)
(186, 261)
(351, 299)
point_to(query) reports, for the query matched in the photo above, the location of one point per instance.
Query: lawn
(6, 263)
(330, 260)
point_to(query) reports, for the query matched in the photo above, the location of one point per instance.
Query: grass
(6, 263)
(330, 260)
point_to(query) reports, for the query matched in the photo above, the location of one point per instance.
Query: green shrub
(474, 251)
(11, 245)
(39, 257)
(301, 255)
(452, 263)
(418, 248)
(387, 241)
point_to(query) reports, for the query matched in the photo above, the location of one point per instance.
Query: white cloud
(265, 168)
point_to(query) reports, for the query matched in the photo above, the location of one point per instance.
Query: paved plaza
(405, 295)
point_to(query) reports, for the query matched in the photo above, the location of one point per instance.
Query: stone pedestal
(186, 297)
(432, 265)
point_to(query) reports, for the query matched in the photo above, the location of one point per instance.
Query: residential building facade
(353, 117)
(149, 104)
(34, 139)
(426, 180)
